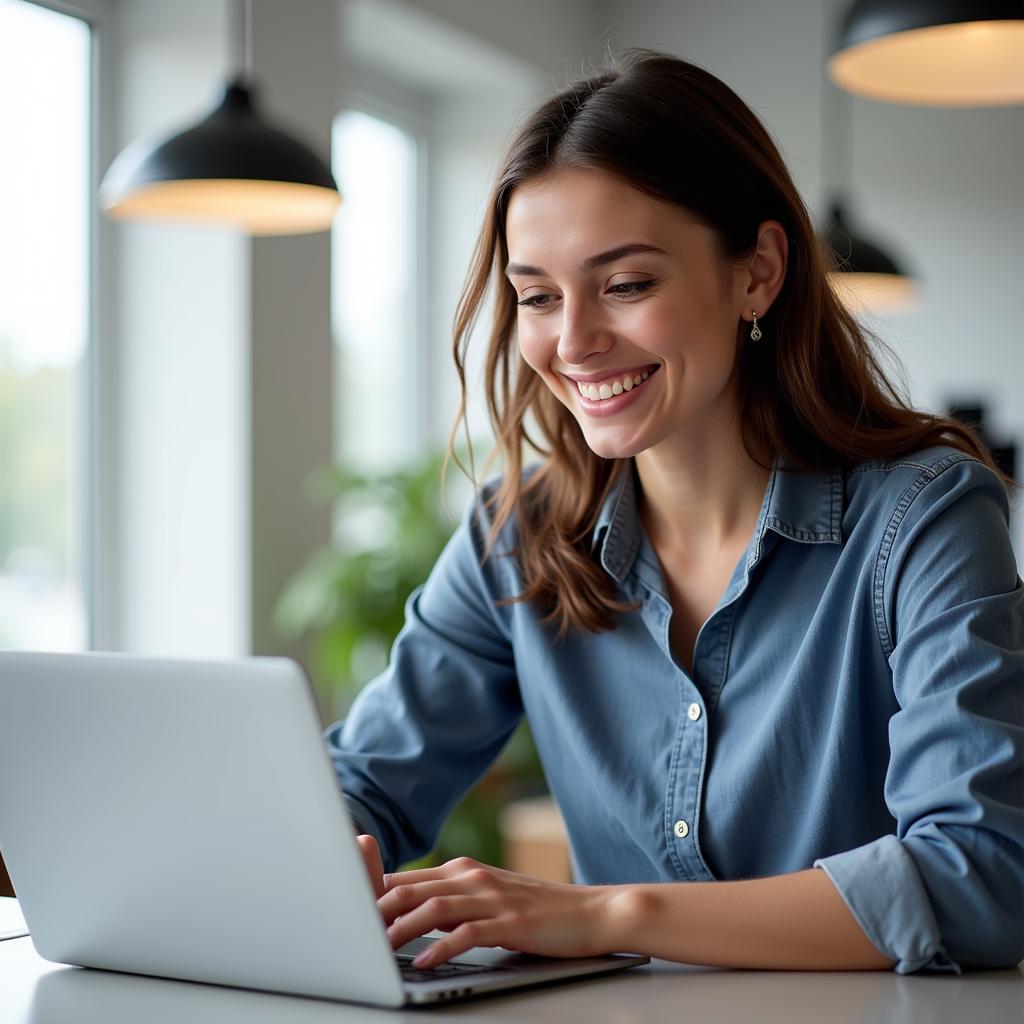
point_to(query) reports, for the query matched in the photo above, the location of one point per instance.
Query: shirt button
(694, 712)
(681, 829)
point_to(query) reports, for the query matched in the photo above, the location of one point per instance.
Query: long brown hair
(813, 390)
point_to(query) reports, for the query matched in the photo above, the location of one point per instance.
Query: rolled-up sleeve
(423, 731)
(946, 893)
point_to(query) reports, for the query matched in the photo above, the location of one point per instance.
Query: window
(45, 207)
(375, 322)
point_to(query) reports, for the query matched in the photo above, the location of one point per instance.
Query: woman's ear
(763, 273)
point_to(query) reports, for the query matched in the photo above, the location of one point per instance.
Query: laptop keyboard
(451, 969)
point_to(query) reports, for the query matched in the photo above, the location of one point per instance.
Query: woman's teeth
(596, 392)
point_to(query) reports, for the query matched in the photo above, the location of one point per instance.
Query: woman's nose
(584, 334)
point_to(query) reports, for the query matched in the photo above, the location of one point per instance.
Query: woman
(764, 618)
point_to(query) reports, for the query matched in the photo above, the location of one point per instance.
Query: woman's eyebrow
(590, 263)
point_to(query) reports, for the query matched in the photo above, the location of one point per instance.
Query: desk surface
(34, 991)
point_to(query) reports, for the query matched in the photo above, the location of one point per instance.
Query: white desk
(34, 991)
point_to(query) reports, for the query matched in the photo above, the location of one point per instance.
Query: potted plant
(349, 600)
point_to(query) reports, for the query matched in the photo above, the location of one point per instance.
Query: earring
(755, 331)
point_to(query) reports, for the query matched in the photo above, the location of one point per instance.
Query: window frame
(95, 425)
(369, 93)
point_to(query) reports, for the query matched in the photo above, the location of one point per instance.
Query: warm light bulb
(969, 64)
(875, 293)
(258, 207)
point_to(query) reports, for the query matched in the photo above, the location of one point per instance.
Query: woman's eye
(533, 301)
(633, 287)
(629, 288)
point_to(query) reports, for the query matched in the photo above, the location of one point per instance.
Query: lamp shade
(957, 53)
(232, 168)
(866, 278)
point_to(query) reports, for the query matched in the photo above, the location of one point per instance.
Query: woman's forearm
(788, 922)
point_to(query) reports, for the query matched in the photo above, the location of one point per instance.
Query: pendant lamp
(233, 169)
(947, 53)
(866, 278)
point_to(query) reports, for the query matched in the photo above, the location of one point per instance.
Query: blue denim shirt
(856, 704)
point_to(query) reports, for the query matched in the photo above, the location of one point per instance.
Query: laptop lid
(181, 818)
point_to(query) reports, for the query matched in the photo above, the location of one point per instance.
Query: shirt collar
(803, 506)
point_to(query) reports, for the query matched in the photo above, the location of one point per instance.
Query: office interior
(193, 388)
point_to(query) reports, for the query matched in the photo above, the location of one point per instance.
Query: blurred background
(218, 444)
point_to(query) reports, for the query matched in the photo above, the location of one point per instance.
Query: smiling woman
(763, 616)
(634, 309)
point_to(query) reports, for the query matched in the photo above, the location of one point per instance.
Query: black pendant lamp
(233, 169)
(866, 278)
(949, 53)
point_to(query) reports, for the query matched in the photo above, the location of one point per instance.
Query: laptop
(182, 818)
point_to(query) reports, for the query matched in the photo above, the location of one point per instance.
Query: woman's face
(665, 316)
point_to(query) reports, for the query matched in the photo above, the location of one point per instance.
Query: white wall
(289, 300)
(178, 522)
(554, 38)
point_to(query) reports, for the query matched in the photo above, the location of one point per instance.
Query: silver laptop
(182, 818)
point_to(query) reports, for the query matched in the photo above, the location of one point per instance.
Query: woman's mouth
(614, 393)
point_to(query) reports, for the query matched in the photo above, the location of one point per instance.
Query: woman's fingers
(441, 912)
(374, 864)
(404, 898)
(479, 932)
(451, 868)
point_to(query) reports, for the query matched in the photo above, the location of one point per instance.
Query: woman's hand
(487, 906)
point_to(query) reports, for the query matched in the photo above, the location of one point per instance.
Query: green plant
(349, 599)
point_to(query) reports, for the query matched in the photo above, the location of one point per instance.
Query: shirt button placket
(681, 829)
